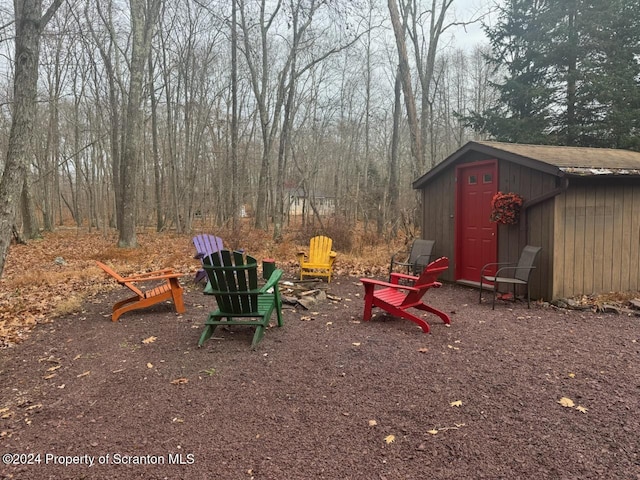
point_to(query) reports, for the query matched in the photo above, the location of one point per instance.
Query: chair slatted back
(119, 278)
(320, 249)
(428, 277)
(234, 281)
(207, 244)
(525, 262)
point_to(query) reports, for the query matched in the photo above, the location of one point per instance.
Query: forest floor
(510, 393)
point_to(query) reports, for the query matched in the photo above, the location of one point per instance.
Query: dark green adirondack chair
(233, 280)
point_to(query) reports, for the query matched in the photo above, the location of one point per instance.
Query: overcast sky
(470, 36)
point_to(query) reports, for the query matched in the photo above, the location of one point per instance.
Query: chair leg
(480, 299)
(493, 298)
(528, 296)
(177, 295)
(206, 334)
(257, 336)
(368, 302)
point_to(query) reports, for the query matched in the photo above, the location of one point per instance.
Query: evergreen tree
(571, 73)
(525, 96)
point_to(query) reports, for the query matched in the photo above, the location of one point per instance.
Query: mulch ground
(513, 393)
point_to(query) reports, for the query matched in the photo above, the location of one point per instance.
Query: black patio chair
(511, 273)
(416, 259)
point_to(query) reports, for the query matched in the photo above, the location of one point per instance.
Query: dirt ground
(513, 393)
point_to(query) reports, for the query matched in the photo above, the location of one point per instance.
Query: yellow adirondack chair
(319, 261)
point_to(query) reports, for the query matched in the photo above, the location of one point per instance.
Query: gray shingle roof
(574, 157)
(551, 159)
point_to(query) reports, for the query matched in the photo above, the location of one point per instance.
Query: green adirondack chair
(233, 280)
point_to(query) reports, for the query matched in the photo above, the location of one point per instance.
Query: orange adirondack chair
(319, 261)
(169, 289)
(396, 299)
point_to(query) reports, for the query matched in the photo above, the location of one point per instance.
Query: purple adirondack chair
(205, 246)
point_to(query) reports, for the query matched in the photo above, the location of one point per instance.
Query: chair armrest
(404, 253)
(273, 280)
(428, 257)
(381, 283)
(199, 255)
(160, 275)
(487, 265)
(301, 256)
(512, 268)
(396, 277)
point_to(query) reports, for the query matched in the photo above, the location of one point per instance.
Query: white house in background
(299, 202)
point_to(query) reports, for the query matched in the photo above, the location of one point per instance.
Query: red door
(476, 239)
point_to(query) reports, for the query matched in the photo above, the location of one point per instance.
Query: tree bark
(30, 227)
(29, 25)
(142, 20)
(407, 89)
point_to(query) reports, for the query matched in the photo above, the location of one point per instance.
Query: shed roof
(556, 160)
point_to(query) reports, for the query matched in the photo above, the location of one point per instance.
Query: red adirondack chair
(396, 298)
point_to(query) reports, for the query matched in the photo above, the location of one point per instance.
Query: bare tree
(258, 62)
(30, 23)
(399, 29)
(143, 18)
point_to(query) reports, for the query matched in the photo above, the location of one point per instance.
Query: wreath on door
(505, 208)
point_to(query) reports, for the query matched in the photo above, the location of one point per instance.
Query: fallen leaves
(456, 426)
(457, 403)
(568, 403)
(149, 340)
(180, 381)
(390, 439)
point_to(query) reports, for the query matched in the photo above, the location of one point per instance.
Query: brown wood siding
(597, 238)
(538, 226)
(438, 217)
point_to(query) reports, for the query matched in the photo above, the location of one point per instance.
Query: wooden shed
(581, 205)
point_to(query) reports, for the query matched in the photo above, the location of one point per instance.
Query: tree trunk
(30, 228)
(235, 206)
(142, 20)
(155, 150)
(29, 24)
(394, 190)
(405, 77)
